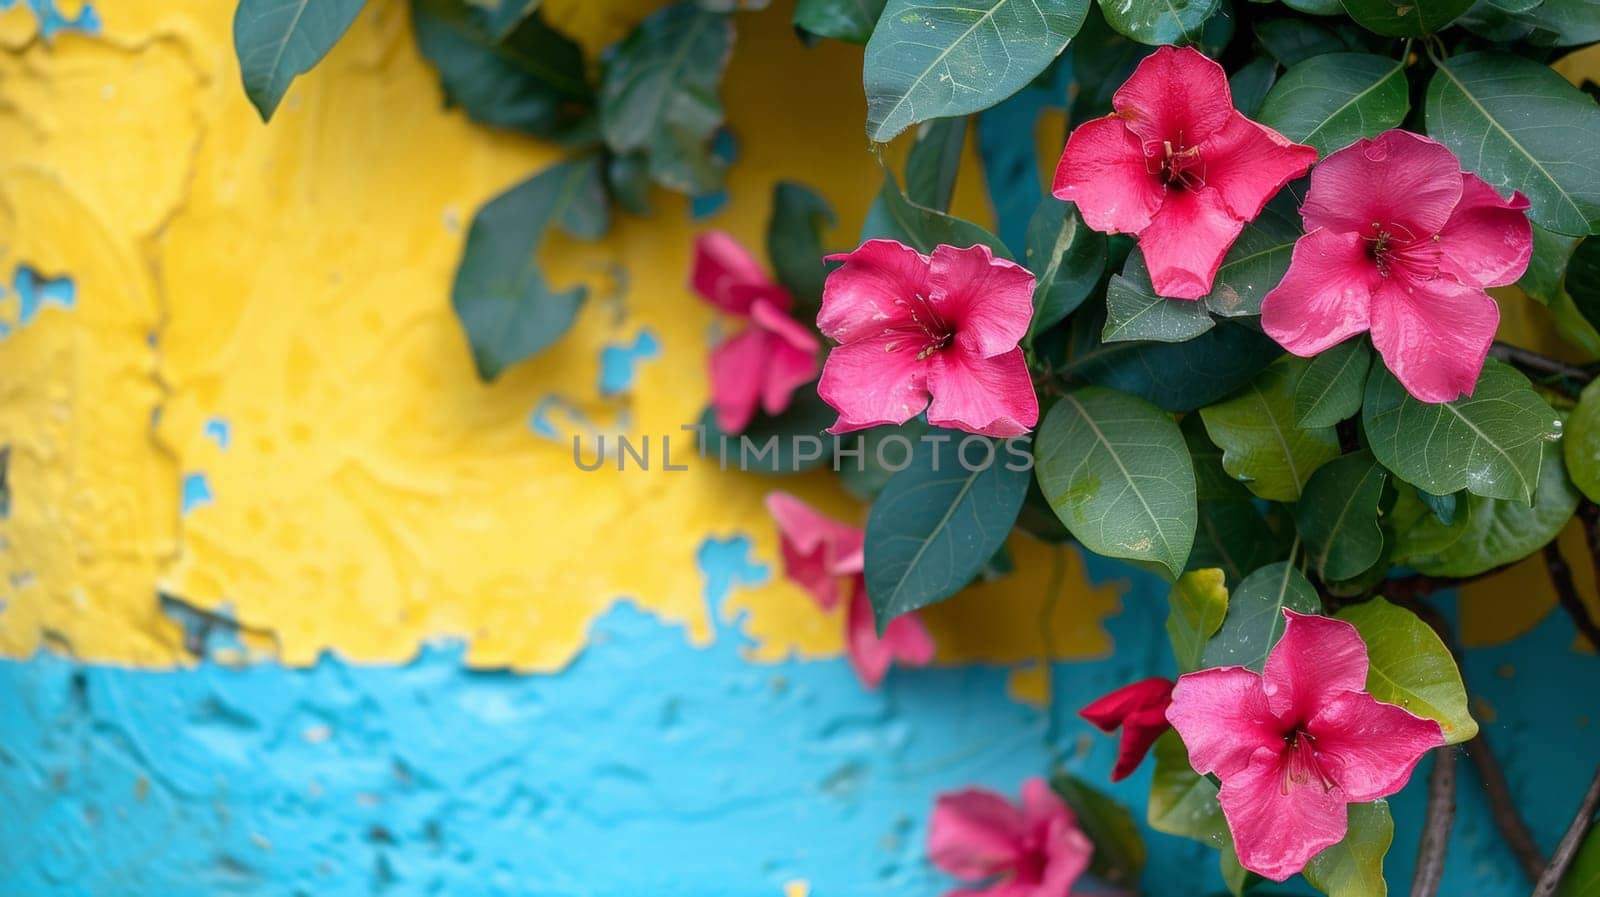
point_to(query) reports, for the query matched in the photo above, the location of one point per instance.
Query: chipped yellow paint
(798, 887)
(293, 279)
(1509, 604)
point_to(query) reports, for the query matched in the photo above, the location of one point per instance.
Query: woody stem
(1531, 362)
(1436, 831)
(1568, 848)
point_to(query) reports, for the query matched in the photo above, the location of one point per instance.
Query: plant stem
(1503, 809)
(1568, 848)
(1530, 360)
(1436, 831)
(1567, 593)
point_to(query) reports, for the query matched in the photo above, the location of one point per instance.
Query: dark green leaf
(1157, 22)
(1316, 7)
(1564, 23)
(1231, 533)
(1548, 266)
(1583, 876)
(503, 16)
(1520, 126)
(1066, 256)
(500, 295)
(1442, 506)
(794, 243)
(1257, 260)
(1119, 852)
(1333, 100)
(1261, 446)
(847, 20)
(884, 452)
(1331, 388)
(1176, 376)
(1197, 605)
(1255, 616)
(1338, 516)
(1117, 473)
(1488, 443)
(794, 441)
(1415, 530)
(1411, 18)
(935, 525)
(1101, 61)
(1583, 280)
(938, 58)
(1251, 83)
(894, 216)
(660, 95)
(1354, 866)
(1135, 312)
(1292, 41)
(1582, 442)
(1183, 802)
(530, 79)
(1410, 667)
(1496, 531)
(277, 40)
(934, 162)
(629, 179)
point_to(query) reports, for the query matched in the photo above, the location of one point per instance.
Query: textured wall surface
(294, 605)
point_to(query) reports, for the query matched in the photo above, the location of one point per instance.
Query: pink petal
(1488, 241)
(974, 834)
(1177, 95)
(792, 355)
(1185, 242)
(1326, 295)
(737, 364)
(721, 267)
(1067, 855)
(1223, 718)
(817, 549)
(872, 290)
(905, 640)
(1278, 828)
(1317, 660)
(991, 396)
(1105, 172)
(1396, 178)
(874, 381)
(1042, 806)
(1140, 710)
(1368, 747)
(1433, 335)
(1248, 163)
(988, 301)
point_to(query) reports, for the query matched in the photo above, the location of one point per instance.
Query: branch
(1528, 360)
(1503, 808)
(1568, 848)
(1401, 589)
(1436, 831)
(1567, 593)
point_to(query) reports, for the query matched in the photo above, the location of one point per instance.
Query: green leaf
(1415, 530)
(277, 40)
(1135, 312)
(500, 295)
(530, 79)
(1066, 256)
(1410, 667)
(1237, 878)
(938, 58)
(660, 95)
(934, 162)
(1251, 84)
(1488, 443)
(1101, 61)
(794, 243)
(1333, 100)
(1231, 533)
(1583, 876)
(848, 20)
(1331, 388)
(774, 445)
(1495, 532)
(1198, 603)
(1583, 280)
(1338, 516)
(1520, 126)
(1354, 866)
(1548, 266)
(884, 452)
(1565, 23)
(1183, 802)
(1261, 446)
(1293, 41)
(503, 16)
(1582, 442)
(938, 522)
(1255, 616)
(1412, 18)
(1176, 376)
(1119, 851)
(895, 217)
(1157, 22)
(1257, 260)
(1115, 470)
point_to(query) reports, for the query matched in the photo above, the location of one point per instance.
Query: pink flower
(768, 360)
(1035, 850)
(910, 326)
(817, 552)
(1297, 743)
(1140, 710)
(1177, 165)
(1400, 241)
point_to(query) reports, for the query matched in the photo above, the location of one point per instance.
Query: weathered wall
(408, 646)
